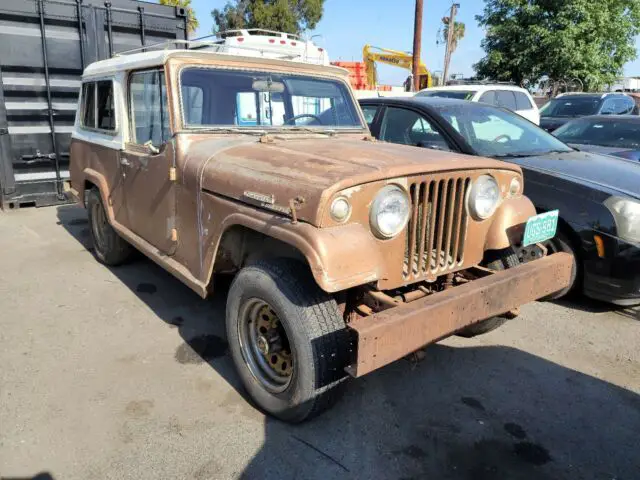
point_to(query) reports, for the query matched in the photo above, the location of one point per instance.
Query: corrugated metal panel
(36, 73)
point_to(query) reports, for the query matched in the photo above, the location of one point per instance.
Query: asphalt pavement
(124, 373)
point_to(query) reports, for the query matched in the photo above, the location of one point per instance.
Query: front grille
(437, 227)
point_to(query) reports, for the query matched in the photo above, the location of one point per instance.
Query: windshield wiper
(328, 132)
(230, 130)
(514, 155)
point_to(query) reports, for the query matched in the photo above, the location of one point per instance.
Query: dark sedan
(567, 106)
(610, 135)
(598, 196)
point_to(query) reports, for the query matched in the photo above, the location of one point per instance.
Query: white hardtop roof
(475, 86)
(157, 58)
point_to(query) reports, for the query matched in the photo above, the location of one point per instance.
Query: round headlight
(484, 197)
(515, 187)
(389, 211)
(340, 209)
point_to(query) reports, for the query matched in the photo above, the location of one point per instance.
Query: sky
(347, 25)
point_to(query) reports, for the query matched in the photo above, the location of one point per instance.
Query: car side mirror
(153, 150)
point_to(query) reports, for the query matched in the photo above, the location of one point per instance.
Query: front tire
(561, 243)
(287, 339)
(108, 246)
(499, 261)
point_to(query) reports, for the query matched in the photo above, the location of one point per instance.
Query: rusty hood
(274, 172)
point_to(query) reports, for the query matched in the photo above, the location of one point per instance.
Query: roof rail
(252, 31)
(221, 46)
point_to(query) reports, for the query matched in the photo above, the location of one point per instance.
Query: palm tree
(192, 21)
(457, 35)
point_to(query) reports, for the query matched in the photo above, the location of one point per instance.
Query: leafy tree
(563, 39)
(291, 16)
(192, 21)
(457, 35)
(459, 29)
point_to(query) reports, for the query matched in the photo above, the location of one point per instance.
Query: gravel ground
(124, 373)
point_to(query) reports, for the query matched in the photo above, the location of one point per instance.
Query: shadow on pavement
(466, 411)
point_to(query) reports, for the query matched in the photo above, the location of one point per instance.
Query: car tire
(561, 243)
(500, 260)
(109, 247)
(303, 325)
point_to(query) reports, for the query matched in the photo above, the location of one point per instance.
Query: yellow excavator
(371, 55)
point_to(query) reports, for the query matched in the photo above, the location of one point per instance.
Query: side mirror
(153, 150)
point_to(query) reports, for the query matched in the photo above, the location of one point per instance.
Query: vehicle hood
(314, 169)
(628, 153)
(598, 171)
(552, 123)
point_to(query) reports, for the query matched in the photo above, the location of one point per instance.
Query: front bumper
(391, 334)
(615, 278)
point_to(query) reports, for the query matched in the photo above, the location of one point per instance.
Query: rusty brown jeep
(348, 253)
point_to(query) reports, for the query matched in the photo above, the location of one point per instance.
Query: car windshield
(571, 106)
(607, 133)
(457, 94)
(494, 132)
(215, 98)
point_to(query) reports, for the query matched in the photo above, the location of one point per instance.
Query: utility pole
(417, 43)
(450, 29)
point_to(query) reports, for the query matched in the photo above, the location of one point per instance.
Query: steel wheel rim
(265, 346)
(99, 223)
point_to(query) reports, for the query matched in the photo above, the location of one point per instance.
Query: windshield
(623, 134)
(493, 132)
(213, 98)
(571, 106)
(457, 94)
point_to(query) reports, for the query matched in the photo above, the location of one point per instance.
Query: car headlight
(626, 213)
(484, 197)
(389, 211)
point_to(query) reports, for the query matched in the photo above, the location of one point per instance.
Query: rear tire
(287, 339)
(503, 260)
(108, 246)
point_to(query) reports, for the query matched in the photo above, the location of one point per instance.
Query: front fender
(339, 257)
(507, 227)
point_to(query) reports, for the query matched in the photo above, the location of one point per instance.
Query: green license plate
(540, 228)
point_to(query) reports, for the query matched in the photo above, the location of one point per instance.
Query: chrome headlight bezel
(477, 188)
(378, 202)
(626, 215)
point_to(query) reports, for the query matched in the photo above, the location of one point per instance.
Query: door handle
(124, 162)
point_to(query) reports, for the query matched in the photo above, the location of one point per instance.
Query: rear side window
(106, 113)
(506, 99)
(522, 101)
(488, 97)
(98, 111)
(89, 105)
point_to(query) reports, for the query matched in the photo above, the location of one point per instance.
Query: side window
(148, 108)
(608, 107)
(624, 106)
(506, 99)
(89, 105)
(246, 109)
(488, 97)
(369, 113)
(106, 112)
(193, 102)
(522, 101)
(407, 127)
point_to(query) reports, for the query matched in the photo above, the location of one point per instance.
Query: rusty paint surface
(391, 334)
